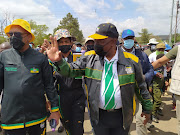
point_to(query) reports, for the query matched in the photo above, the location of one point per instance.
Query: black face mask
(90, 47)
(65, 48)
(16, 43)
(99, 49)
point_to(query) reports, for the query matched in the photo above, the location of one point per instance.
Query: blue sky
(133, 14)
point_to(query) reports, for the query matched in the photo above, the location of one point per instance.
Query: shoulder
(131, 56)
(92, 52)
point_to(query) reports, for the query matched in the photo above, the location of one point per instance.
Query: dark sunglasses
(16, 34)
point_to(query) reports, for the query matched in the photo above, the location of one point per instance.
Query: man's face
(64, 41)
(160, 49)
(106, 43)
(19, 32)
(90, 42)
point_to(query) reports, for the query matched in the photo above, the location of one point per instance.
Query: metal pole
(170, 35)
(176, 21)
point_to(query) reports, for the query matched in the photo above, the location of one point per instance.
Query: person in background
(83, 49)
(157, 86)
(129, 45)
(89, 43)
(32, 45)
(78, 47)
(4, 46)
(110, 76)
(25, 78)
(152, 46)
(71, 93)
(175, 76)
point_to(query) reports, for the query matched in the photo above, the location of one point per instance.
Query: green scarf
(159, 52)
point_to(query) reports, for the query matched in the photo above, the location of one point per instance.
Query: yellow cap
(22, 23)
(161, 45)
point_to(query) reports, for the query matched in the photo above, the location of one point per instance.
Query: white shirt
(152, 58)
(117, 96)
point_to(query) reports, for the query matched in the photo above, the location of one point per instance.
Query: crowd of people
(116, 80)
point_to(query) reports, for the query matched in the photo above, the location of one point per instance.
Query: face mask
(90, 47)
(83, 51)
(16, 43)
(128, 44)
(30, 45)
(99, 49)
(153, 48)
(78, 49)
(159, 52)
(65, 48)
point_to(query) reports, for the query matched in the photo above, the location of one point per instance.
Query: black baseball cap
(105, 30)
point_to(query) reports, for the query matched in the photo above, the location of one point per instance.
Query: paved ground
(167, 124)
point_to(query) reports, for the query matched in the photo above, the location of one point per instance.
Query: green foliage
(39, 31)
(72, 25)
(144, 36)
(2, 39)
(177, 38)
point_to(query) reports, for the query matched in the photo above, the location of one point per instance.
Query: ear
(29, 37)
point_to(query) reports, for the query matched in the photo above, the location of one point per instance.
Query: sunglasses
(16, 34)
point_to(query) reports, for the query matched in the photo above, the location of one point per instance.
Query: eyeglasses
(16, 34)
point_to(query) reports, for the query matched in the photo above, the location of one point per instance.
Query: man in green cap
(158, 82)
(25, 76)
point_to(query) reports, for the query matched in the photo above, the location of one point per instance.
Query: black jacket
(25, 78)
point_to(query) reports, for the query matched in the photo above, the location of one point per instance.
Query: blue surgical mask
(78, 49)
(129, 43)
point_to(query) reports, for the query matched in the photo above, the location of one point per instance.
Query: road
(167, 124)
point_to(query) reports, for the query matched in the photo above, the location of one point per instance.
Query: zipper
(22, 71)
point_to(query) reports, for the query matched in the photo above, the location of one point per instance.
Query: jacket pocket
(10, 69)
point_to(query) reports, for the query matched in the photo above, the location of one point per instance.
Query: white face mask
(153, 47)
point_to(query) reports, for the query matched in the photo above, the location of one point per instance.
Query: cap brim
(7, 29)
(153, 43)
(98, 36)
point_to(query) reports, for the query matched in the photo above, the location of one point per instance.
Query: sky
(124, 14)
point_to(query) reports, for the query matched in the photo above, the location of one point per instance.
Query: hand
(147, 117)
(52, 50)
(55, 115)
(150, 90)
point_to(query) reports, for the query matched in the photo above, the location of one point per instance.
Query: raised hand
(52, 50)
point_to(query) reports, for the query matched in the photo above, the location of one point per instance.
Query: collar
(133, 50)
(25, 52)
(114, 58)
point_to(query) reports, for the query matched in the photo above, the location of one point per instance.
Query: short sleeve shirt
(172, 54)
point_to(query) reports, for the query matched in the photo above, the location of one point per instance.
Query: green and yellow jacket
(25, 78)
(131, 81)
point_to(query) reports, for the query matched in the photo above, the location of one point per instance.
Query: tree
(39, 32)
(144, 36)
(72, 25)
(2, 39)
(177, 38)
